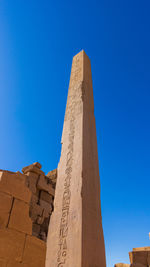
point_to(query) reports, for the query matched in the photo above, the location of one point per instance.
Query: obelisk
(75, 236)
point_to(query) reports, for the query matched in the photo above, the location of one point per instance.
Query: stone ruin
(139, 257)
(41, 205)
(26, 204)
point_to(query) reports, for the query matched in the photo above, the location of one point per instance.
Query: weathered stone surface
(36, 213)
(138, 257)
(75, 236)
(14, 185)
(36, 229)
(4, 218)
(5, 202)
(142, 249)
(37, 164)
(40, 220)
(46, 197)
(3, 262)
(32, 168)
(15, 199)
(121, 265)
(12, 244)
(44, 185)
(40, 212)
(46, 213)
(148, 258)
(19, 218)
(32, 181)
(41, 204)
(47, 206)
(130, 257)
(6, 171)
(35, 209)
(52, 175)
(5, 207)
(34, 252)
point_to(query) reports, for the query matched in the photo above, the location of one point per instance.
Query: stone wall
(26, 203)
(41, 204)
(139, 257)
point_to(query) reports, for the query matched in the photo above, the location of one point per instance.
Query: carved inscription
(76, 71)
(75, 100)
(63, 231)
(74, 105)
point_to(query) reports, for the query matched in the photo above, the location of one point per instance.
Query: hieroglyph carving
(74, 107)
(75, 100)
(63, 232)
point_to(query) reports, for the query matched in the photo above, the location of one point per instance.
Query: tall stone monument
(75, 236)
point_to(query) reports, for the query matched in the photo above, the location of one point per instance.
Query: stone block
(46, 214)
(32, 168)
(139, 257)
(19, 219)
(34, 213)
(4, 217)
(34, 199)
(12, 244)
(32, 181)
(14, 185)
(43, 185)
(148, 258)
(33, 174)
(142, 249)
(36, 229)
(131, 257)
(35, 209)
(44, 226)
(34, 252)
(40, 220)
(37, 164)
(5, 202)
(121, 265)
(47, 206)
(43, 236)
(5, 207)
(52, 175)
(44, 219)
(46, 197)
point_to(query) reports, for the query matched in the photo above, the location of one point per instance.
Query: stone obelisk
(75, 236)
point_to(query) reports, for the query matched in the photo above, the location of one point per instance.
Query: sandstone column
(75, 236)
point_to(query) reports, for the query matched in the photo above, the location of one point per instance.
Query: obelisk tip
(81, 52)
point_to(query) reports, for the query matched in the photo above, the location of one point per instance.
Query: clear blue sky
(37, 42)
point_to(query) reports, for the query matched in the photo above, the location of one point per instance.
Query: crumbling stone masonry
(139, 257)
(26, 204)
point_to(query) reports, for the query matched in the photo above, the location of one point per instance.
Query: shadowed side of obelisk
(93, 248)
